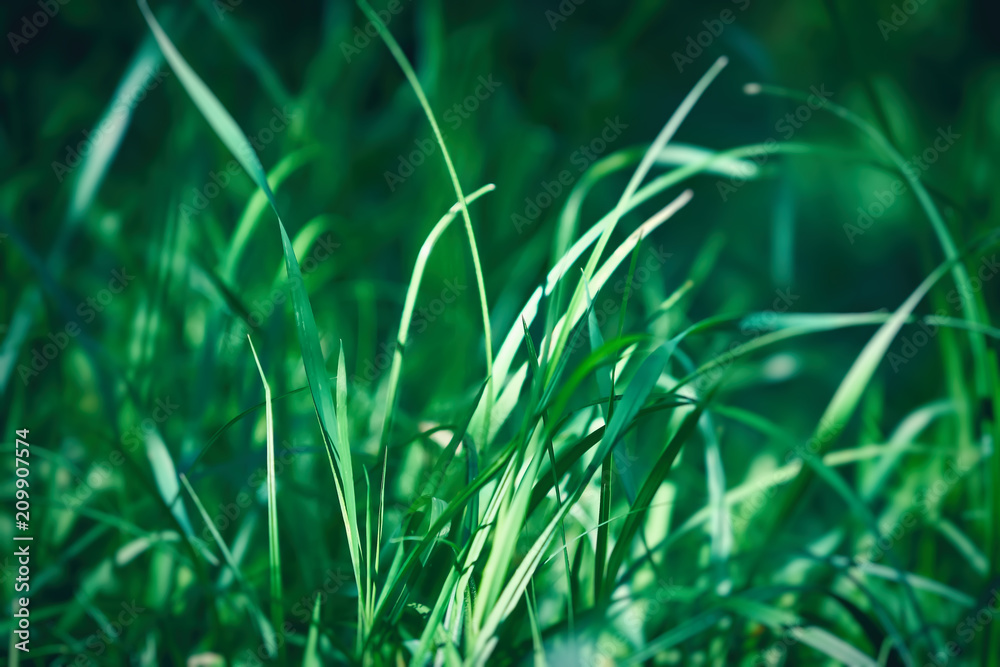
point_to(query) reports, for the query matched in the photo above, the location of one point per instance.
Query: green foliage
(790, 389)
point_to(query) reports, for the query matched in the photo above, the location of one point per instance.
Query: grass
(635, 443)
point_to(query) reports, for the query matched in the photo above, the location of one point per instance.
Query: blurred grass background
(165, 358)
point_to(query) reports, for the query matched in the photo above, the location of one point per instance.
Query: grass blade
(411, 76)
(274, 545)
(234, 139)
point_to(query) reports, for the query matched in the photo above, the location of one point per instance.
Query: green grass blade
(667, 133)
(411, 77)
(645, 496)
(848, 394)
(635, 395)
(234, 139)
(511, 344)
(274, 545)
(412, 290)
(259, 201)
(267, 631)
(310, 657)
(960, 274)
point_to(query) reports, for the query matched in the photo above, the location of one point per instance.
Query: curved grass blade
(512, 341)
(673, 155)
(848, 394)
(411, 77)
(667, 133)
(409, 305)
(937, 222)
(987, 384)
(503, 410)
(234, 139)
(248, 53)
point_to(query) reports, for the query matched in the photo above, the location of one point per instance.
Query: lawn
(530, 333)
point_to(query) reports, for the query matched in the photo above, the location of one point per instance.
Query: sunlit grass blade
(550, 450)
(605, 388)
(165, 474)
(667, 133)
(509, 347)
(412, 290)
(411, 77)
(234, 139)
(671, 155)
(565, 323)
(904, 434)
(635, 395)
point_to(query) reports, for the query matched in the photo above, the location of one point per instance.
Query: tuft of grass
(659, 463)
